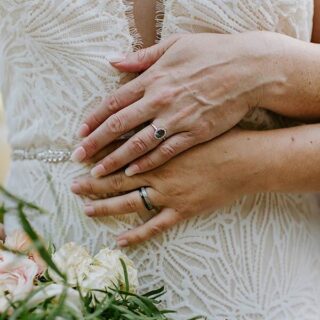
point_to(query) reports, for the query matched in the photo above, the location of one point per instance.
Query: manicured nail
(98, 171)
(78, 155)
(75, 187)
(132, 170)
(123, 243)
(116, 58)
(83, 131)
(89, 210)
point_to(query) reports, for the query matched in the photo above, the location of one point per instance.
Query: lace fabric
(258, 259)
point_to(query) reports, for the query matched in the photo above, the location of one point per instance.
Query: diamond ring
(159, 133)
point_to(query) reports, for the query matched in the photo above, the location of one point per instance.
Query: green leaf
(57, 311)
(126, 278)
(37, 241)
(17, 200)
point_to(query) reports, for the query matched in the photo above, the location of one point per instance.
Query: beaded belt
(49, 155)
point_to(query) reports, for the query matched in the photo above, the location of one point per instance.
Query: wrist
(238, 160)
(265, 56)
(283, 160)
(255, 162)
(290, 76)
(274, 70)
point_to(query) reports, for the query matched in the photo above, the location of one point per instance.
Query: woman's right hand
(195, 86)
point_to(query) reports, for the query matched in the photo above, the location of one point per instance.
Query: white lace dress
(258, 259)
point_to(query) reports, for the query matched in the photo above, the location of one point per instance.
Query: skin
(230, 166)
(145, 14)
(190, 86)
(227, 168)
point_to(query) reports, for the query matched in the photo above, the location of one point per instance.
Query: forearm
(284, 160)
(294, 68)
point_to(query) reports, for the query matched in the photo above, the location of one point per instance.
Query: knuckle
(205, 129)
(131, 205)
(147, 163)
(94, 119)
(138, 238)
(168, 95)
(165, 96)
(137, 87)
(101, 210)
(91, 144)
(111, 163)
(167, 150)
(116, 182)
(88, 187)
(138, 145)
(113, 103)
(156, 229)
(154, 74)
(116, 124)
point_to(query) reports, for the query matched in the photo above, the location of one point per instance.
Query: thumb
(143, 59)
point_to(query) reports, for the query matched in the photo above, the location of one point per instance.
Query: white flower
(72, 260)
(102, 272)
(98, 278)
(17, 274)
(110, 260)
(72, 301)
(3, 303)
(106, 272)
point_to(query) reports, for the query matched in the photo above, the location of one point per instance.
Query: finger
(158, 224)
(137, 146)
(123, 97)
(105, 152)
(114, 127)
(143, 59)
(115, 183)
(166, 151)
(124, 204)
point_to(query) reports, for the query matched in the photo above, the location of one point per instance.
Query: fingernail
(123, 243)
(132, 170)
(78, 155)
(89, 210)
(116, 58)
(75, 187)
(98, 171)
(83, 131)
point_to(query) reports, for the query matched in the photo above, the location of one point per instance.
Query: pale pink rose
(19, 241)
(17, 275)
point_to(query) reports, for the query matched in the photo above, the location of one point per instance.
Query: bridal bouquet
(37, 282)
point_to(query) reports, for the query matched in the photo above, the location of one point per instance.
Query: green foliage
(117, 304)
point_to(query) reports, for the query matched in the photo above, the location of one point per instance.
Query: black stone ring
(159, 133)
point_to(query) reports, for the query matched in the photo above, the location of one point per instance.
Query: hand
(191, 88)
(222, 170)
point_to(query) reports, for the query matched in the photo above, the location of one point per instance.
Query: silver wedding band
(159, 133)
(146, 200)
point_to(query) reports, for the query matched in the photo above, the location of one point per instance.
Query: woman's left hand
(195, 88)
(221, 171)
